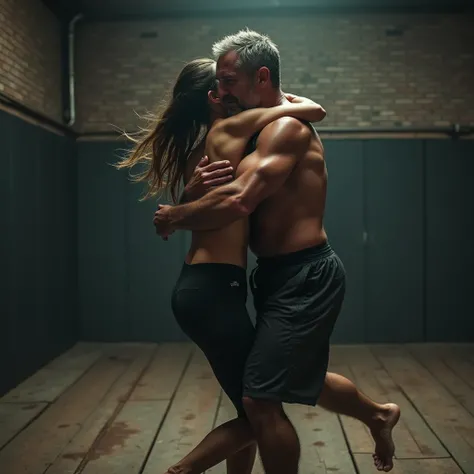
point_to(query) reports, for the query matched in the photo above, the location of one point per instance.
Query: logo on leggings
(234, 283)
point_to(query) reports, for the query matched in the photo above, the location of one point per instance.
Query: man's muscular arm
(280, 146)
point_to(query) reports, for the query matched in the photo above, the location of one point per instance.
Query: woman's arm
(251, 121)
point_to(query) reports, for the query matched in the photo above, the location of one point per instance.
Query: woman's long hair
(164, 147)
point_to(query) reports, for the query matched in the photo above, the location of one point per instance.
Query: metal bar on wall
(453, 131)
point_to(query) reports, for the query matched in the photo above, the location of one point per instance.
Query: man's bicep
(277, 154)
(264, 180)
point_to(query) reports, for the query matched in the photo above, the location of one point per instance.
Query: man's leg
(235, 440)
(341, 396)
(277, 439)
(299, 302)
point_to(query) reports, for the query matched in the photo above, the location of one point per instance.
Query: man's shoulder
(287, 132)
(289, 123)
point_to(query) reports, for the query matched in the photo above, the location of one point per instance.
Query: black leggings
(209, 304)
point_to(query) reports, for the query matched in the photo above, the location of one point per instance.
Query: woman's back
(227, 244)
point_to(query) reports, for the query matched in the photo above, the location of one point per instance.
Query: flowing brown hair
(165, 145)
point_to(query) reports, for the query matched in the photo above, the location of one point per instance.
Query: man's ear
(263, 76)
(213, 97)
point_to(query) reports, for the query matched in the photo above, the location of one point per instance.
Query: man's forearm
(213, 211)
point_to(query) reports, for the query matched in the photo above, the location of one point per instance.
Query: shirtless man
(299, 282)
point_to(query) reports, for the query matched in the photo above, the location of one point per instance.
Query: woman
(209, 298)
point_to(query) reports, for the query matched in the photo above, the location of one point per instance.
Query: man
(299, 283)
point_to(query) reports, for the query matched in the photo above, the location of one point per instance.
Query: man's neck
(273, 97)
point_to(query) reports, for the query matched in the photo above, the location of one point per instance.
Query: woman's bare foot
(382, 433)
(177, 469)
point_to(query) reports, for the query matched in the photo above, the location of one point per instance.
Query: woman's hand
(296, 99)
(207, 176)
(313, 111)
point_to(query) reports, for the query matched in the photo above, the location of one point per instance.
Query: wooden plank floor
(138, 408)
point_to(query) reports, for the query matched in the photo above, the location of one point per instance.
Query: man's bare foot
(382, 434)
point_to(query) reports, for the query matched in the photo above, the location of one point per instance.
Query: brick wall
(30, 55)
(380, 70)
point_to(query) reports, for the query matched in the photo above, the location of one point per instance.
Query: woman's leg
(213, 313)
(233, 441)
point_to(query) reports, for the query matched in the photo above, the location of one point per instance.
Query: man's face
(236, 88)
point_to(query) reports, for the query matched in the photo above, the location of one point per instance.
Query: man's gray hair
(254, 51)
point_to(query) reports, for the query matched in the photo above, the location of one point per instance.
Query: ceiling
(121, 9)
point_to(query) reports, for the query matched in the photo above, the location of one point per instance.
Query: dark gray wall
(38, 304)
(126, 272)
(345, 226)
(399, 213)
(393, 203)
(450, 241)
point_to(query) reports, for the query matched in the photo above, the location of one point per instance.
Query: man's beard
(233, 106)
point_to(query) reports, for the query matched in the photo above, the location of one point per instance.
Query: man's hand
(162, 223)
(206, 177)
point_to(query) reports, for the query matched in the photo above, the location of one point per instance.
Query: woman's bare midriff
(225, 245)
